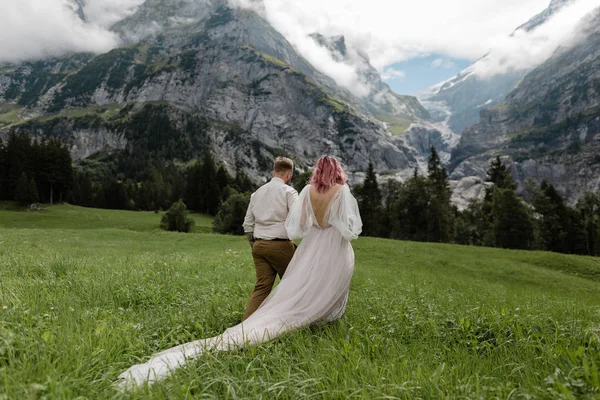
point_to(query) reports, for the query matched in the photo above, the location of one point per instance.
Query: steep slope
(549, 126)
(205, 76)
(401, 115)
(459, 100)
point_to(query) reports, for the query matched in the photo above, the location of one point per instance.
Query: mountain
(458, 101)
(76, 6)
(197, 75)
(401, 115)
(548, 127)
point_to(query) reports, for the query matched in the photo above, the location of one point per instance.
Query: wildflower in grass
(4, 308)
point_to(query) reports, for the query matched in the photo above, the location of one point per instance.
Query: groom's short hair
(283, 164)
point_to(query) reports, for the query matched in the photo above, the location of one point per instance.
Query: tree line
(35, 171)
(420, 210)
(42, 171)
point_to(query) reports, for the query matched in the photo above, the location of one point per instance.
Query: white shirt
(268, 210)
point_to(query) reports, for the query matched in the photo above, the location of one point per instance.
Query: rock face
(200, 75)
(467, 189)
(459, 100)
(549, 126)
(401, 115)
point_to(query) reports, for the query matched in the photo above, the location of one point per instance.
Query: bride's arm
(298, 218)
(346, 215)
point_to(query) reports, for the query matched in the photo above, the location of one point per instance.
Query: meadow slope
(85, 293)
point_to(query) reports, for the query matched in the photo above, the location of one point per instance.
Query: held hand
(250, 236)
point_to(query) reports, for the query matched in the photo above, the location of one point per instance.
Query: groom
(264, 225)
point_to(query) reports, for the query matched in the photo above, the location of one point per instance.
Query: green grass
(106, 112)
(274, 60)
(72, 217)
(9, 115)
(395, 125)
(90, 292)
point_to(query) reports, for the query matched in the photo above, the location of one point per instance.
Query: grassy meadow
(86, 293)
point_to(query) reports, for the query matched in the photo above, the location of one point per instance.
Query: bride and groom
(313, 287)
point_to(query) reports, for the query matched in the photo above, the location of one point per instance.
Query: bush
(231, 214)
(177, 218)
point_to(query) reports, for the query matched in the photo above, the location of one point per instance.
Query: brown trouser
(271, 258)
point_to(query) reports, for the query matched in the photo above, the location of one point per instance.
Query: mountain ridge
(228, 66)
(548, 127)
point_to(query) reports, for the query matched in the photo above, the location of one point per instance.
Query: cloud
(344, 74)
(33, 29)
(391, 32)
(526, 50)
(391, 73)
(106, 13)
(442, 63)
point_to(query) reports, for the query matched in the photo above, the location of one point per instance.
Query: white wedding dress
(313, 289)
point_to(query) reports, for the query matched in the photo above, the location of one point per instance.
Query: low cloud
(34, 29)
(392, 32)
(442, 63)
(389, 32)
(525, 50)
(106, 13)
(391, 73)
(344, 74)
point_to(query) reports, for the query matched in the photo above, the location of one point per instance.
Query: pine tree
(26, 190)
(54, 170)
(192, 188)
(512, 226)
(223, 181)
(439, 211)
(589, 211)
(472, 224)
(408, 217)
(370, 203)
(242, 182)
(3, 171)
(498, 174)
(505, 215)
(390, 192)
(82, 190)
(301, 180)
(18, 160)
(210, 193)
(204, 191)
(561, 228)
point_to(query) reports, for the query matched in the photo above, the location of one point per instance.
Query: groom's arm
(291, 197)
(249, 222)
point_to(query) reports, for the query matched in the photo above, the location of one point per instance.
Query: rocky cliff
(459, 100)
(548, 127)
(200, 75)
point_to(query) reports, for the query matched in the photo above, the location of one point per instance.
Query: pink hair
(327, 173)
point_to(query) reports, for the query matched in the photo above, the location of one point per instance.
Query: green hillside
(85, 293)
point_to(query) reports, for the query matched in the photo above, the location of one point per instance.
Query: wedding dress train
(313, 289)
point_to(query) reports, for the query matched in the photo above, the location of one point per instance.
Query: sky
(414, 44)
(414, 75)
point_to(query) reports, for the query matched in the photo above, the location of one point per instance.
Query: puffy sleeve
(345, 216)
(299, 219)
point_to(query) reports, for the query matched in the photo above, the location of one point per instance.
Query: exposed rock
(466, 190)
(549, 126)
(228, 67)
(460, 99)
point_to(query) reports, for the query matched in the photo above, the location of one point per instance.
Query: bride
(314, 288)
